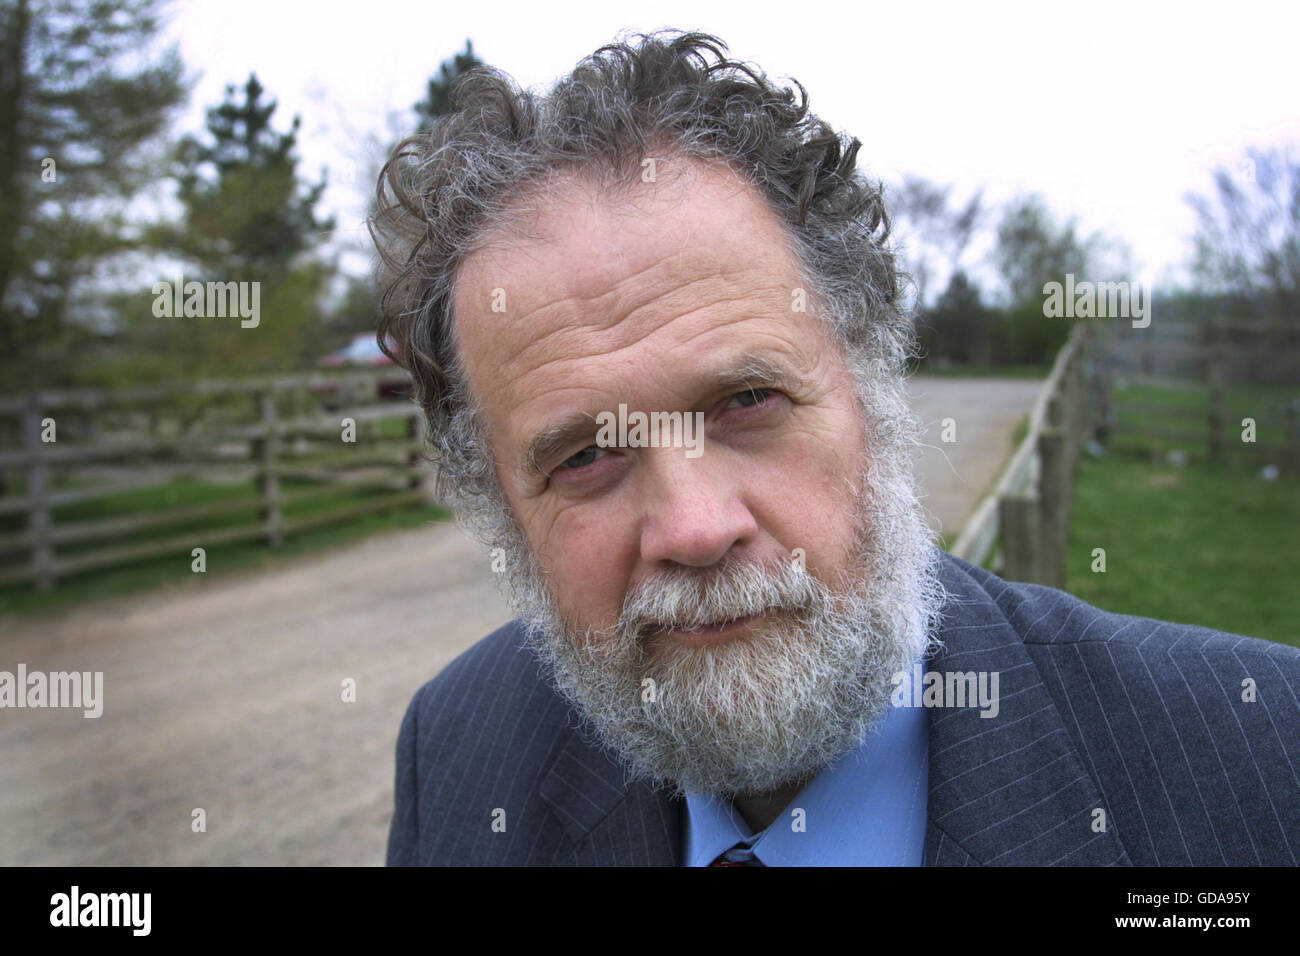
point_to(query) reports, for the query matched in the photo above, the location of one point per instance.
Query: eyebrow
(749, 371)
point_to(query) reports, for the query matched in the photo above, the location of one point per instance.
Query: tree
(247, 219)
(1248, 234)
(357, 308)
(82, 103)
(936, 234)
(245, 211)
(959, 328)
(1033, 250)
(437, 96)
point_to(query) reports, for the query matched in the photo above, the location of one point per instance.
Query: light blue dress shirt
(866, 809)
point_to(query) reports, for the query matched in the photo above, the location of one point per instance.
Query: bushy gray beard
(775, 707)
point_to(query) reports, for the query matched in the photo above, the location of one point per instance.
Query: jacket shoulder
(1189, 732)
(501, 657)
(474, 744)
(1056, 622)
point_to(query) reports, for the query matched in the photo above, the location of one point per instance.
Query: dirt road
(227, 696)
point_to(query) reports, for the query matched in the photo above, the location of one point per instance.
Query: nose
(694, 512)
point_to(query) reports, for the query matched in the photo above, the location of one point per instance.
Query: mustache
(683, 598)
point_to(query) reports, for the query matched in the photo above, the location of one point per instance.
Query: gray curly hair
(443, 193)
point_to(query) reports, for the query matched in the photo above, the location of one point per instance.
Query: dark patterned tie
(738, 855)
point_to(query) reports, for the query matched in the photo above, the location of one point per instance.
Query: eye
(582, 459)
(752, 397)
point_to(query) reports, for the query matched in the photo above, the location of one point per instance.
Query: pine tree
(246, 215)
(437, 96)
(80, 114)
(247, 218)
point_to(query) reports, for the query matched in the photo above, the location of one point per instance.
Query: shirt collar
(866, 808)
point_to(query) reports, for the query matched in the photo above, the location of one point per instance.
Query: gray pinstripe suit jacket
(1140, 718)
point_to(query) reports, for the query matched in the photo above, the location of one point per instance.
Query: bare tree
(1248, 234)
(1033, 249)
(935, 233)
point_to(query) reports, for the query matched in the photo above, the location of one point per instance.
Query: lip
(717, 633)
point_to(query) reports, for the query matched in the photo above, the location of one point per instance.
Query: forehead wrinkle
(782, 336)
(519, 242)
(667, 326)
(572, 323)
(572, 294)
(688, 246)
(733, 291)
(772, 274)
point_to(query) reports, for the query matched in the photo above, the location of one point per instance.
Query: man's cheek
(591, 547)
(559, 543)
(794, 503)
(588, 593)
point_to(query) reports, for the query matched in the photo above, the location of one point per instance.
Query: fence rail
(1211, 427)
(1028, 511)
(1022, 527)
(79, 449)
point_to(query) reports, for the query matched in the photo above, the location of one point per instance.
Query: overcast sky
(1112, 110)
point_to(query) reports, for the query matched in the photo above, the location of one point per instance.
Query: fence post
(421, 474)
(268, 479)
(365, 393)
(1018, 516)
(1082, 417)
(1069, 410)
(38, 508)
(1076, 434)
(1053, 498)
(1293, 437)
(1103, 353)
(1216, 380)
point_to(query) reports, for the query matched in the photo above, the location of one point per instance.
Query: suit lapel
(610, 822)
(1010, 789)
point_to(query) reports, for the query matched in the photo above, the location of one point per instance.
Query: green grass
(1144, 410)
(1197, 545)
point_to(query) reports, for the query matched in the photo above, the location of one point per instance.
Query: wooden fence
(1245, 348)
(1021, 529)
(328, 434)
(1203, 412)
(1028, 512)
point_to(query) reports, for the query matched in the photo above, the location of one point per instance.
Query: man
(654, 322)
